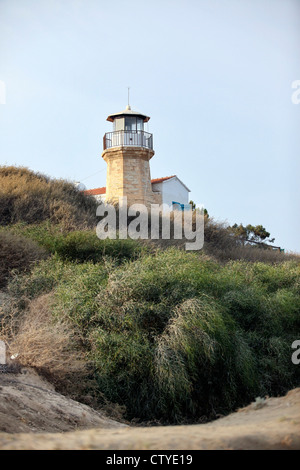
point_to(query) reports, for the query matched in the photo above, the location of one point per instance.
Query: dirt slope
(28, 405)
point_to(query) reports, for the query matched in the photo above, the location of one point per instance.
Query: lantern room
(128, 130)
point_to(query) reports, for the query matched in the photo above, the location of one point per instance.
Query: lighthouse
(127, 150)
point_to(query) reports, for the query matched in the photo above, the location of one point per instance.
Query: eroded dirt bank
(35, 417)
(28, 403)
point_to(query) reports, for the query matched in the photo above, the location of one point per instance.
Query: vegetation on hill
(166, 335)
(175, 335)
(29, 197)
(251, 233)
(17, 254)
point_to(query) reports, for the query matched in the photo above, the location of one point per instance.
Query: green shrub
(78, 245)
(56, 273)
(220, 243)
(124, 370)
(76, 296)
(273, 277)
(17, 254)
(175, 336)
(202, 362)
(268, 299)
(168, 334)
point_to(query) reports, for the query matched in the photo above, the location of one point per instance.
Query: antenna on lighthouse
(128, 97)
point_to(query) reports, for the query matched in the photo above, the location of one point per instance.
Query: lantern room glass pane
(119, 124)
(140, 124)
(130, 123)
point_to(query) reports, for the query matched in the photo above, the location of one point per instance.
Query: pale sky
(214, 75)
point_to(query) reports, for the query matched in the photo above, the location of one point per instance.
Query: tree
(193, 205)
(204, 211)
(251, 233)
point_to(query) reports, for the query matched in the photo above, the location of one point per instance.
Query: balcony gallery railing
(127, 139)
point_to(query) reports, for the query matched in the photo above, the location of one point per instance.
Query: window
(133, 123)
(140, 124)
(130, 123)
(119, 124)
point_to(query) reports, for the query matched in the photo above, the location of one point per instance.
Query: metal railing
(128, 139)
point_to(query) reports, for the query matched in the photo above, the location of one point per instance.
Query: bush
(202, 362)
(176, 336)
(78, 245)
(168, 334)
(53, 347)
(220, 243)
(41, 342)
(56, 273)
(30, 197)
(17, 254)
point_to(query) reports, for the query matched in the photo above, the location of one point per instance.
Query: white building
(175, 194)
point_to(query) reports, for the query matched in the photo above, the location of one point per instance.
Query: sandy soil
(34, 416)
(28, 403)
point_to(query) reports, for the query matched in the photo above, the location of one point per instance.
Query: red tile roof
(160, 180)
(98, 191)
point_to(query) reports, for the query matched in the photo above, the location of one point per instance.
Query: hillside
(30, 197)
(28, 403)
(150, 333)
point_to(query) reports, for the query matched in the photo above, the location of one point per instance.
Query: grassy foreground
(165, 335)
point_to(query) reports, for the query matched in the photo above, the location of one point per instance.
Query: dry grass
(223, 246)
(54, 348)
(17, 253)
(39, 341)
(51, 347)
(30, 197)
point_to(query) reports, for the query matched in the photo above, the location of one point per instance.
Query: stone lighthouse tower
(127, 151)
